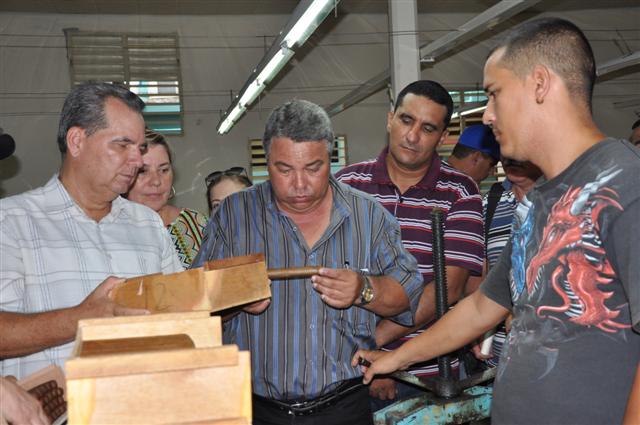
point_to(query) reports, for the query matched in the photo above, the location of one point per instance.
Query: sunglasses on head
(215, 176)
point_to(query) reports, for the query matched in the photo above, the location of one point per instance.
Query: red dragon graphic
(572, 246)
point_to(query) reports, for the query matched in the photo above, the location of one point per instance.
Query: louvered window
(148, 64)
(259, 171)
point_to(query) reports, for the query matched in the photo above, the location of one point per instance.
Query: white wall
(217, 54)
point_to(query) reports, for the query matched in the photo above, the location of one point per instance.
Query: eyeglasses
(216, 175)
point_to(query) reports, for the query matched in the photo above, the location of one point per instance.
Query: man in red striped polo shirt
(410, 179)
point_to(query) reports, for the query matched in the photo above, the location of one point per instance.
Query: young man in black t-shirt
(569, 274)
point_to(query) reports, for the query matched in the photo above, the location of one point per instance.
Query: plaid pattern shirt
(54, 255)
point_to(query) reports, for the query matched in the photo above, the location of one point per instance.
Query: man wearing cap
(410, 179)
(476, 153)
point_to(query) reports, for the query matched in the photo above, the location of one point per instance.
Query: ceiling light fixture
(307, 16)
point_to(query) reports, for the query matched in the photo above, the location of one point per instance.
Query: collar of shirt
(341, 209)
(57, 198)
(381, 174)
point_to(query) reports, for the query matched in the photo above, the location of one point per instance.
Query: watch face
(367, 294)
(367, 291)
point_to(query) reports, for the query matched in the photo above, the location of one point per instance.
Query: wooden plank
(217, 286)
(164, 293)
(203, 395)
(203, 329)
(135, 345)
(237, 285)
(160, 361)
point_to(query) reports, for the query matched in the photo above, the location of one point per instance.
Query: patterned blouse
(186, 234)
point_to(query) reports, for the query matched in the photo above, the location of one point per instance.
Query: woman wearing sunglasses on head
(221, 184)
(153, 187)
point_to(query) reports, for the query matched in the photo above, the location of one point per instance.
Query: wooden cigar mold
(216, 286)
(157, 369)
(48, 386)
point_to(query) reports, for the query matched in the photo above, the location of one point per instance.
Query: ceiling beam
(434, 50)
(619, 63)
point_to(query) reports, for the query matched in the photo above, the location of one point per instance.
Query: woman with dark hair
(153, 187)
(221, 184)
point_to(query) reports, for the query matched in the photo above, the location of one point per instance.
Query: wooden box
(217, 286)
(157, 369)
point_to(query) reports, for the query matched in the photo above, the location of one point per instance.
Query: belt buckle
(302, 408)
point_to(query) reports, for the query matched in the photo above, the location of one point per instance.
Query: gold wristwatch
(366, 295)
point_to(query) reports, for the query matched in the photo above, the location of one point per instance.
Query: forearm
(469, 319)
(389, 299)
(388, 331)
(23, 334)
(632, 413)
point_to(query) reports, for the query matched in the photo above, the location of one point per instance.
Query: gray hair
(84, 108)
(300, 121)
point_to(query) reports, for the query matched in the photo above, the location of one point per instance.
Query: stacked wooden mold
(157, 369)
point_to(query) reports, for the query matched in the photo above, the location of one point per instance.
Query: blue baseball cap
(480, 138)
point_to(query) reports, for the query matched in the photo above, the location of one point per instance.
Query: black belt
(309, 407)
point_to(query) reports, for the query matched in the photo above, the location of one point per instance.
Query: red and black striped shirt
(442, 186)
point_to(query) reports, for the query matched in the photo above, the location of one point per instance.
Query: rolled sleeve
(394, 261)
(463, 235)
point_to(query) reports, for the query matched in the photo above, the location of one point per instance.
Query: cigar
(293, 272)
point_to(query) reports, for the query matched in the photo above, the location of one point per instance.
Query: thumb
(368, 375)
(112, 283)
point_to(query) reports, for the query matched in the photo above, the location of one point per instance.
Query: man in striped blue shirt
(302, 339)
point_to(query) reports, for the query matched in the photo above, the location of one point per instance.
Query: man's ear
(75, 139)
(443, 137)
(390, 115)
(542, 82)
(477, 157)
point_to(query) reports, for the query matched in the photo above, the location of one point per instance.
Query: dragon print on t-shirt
(571, 258)
(572, 281)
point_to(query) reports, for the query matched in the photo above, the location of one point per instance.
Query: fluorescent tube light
(250, 94)
(308, 22)
(231, 118)
(468, 112)
(305, 19)
(277, 62)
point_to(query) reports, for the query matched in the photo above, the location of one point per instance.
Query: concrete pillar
(404, 61)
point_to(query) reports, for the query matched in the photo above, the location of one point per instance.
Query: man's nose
(135, 157)
(413, 135)
(299, 180)
(488, 117)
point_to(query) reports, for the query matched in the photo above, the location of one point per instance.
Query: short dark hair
(300, 121)
(635, 124)
(84, 108)
(557, 43)
(431, 90)
(462, 151)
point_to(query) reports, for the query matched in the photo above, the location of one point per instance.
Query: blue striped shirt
(301, 347)
(497, 238)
